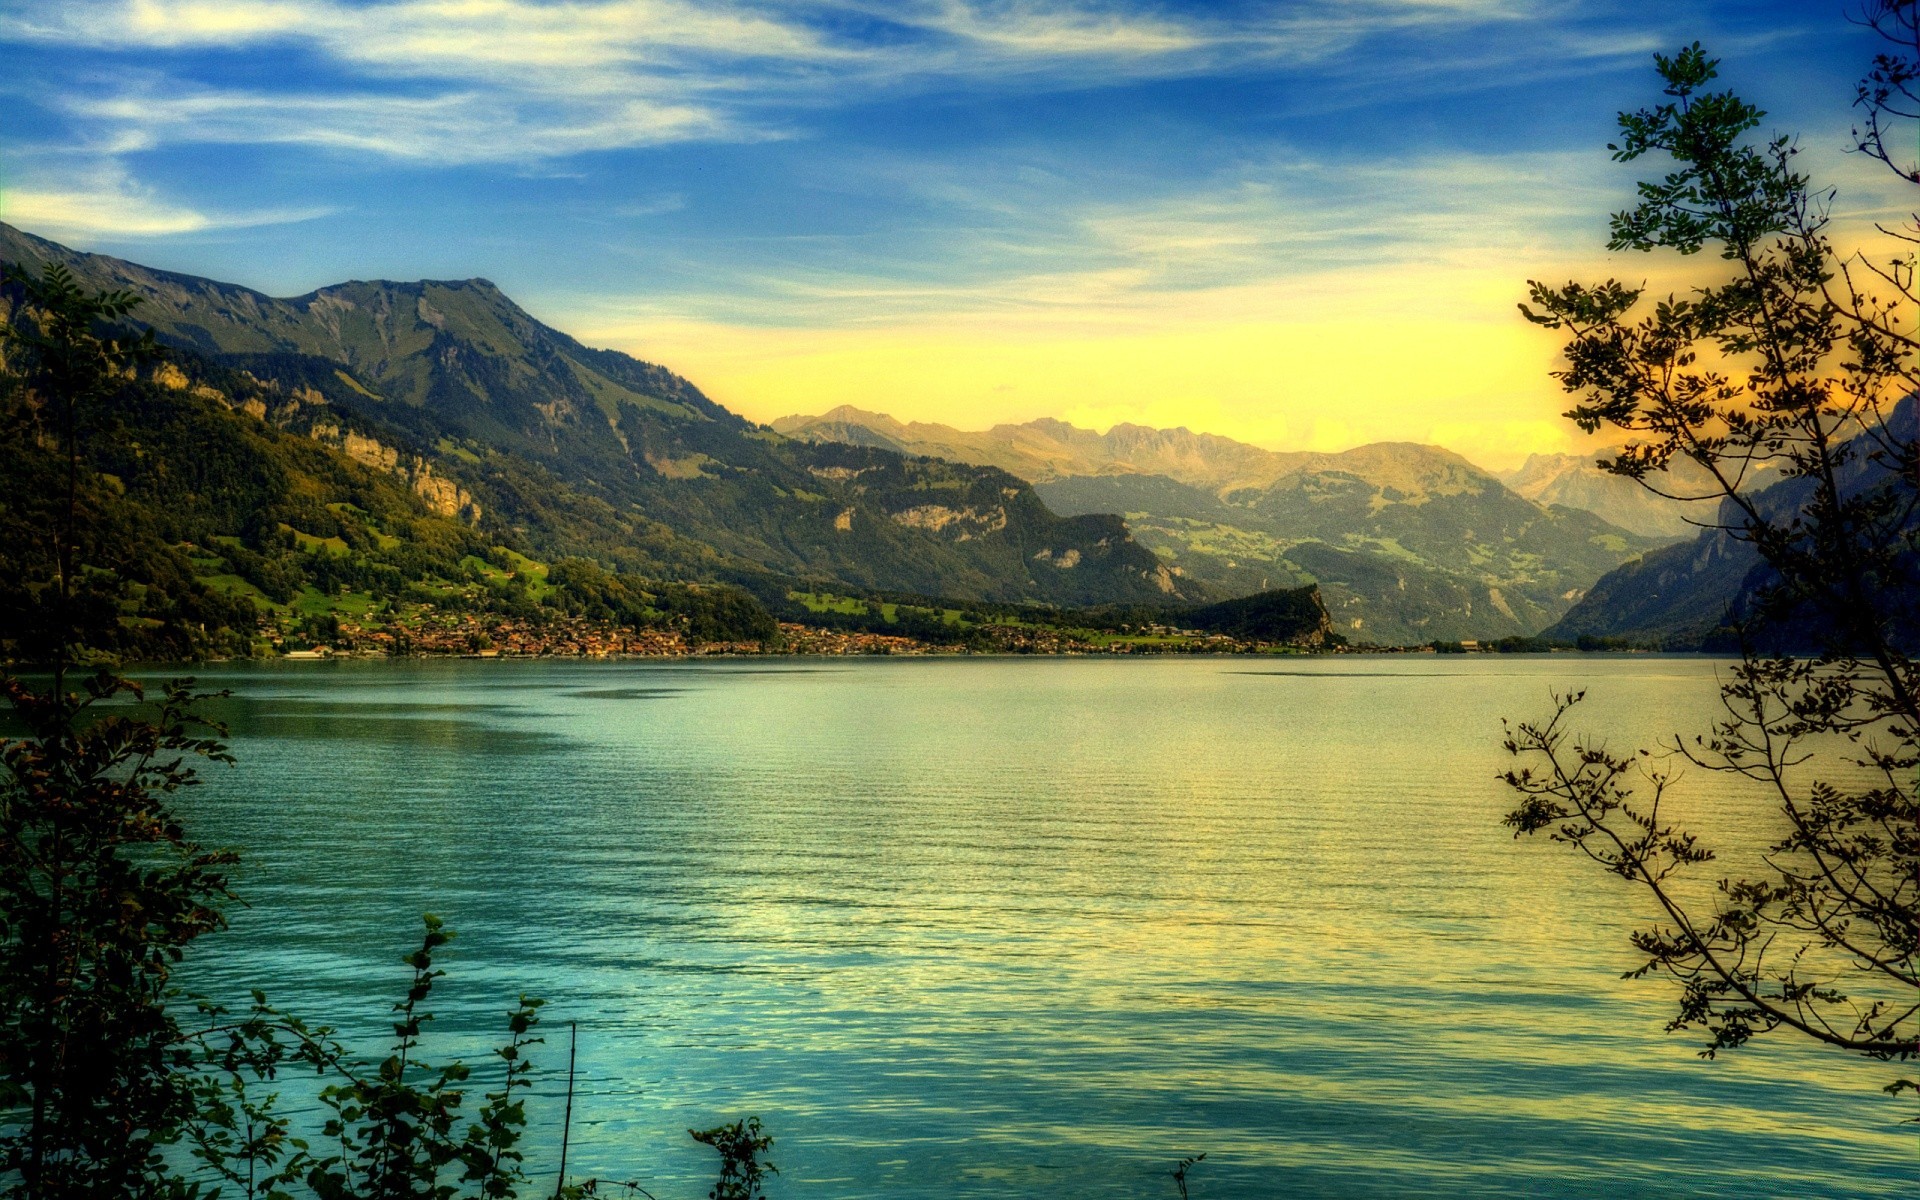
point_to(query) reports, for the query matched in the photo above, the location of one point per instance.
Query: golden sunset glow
(1443, 357)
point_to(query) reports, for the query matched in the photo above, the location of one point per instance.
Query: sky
(1302, 223)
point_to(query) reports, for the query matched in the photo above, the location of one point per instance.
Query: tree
(1785, 359)
(100, 887)
(63, 349)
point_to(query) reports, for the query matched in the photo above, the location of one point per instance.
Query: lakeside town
(468, 635)
(484, 636)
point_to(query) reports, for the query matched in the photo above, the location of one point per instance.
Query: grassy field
(532, 573)
(826, 602)
(313, 603)
(318, 545)
(233, 585)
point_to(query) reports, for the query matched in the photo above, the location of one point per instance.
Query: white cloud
(1049, 30)
(438, 80)
(451, 127)
(427, 36)
(111, 205)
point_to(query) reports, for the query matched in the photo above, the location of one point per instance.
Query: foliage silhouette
(1181, 1169)
(1782, 359)
(101, 889)
(740, 1144)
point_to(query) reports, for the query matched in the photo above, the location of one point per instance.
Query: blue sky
(1301, 222)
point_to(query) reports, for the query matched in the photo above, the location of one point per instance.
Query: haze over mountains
(1574, 480)
(1044, 450)
(1407, 542)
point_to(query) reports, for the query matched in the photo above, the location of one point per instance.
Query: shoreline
(738, 655)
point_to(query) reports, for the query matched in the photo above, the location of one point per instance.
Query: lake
(1019, 927)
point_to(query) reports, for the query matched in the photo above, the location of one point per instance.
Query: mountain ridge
(1127, 448)
(1047, 447)
(1576, 481)
(573, 445)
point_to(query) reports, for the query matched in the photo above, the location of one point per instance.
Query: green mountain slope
(491, 417)
(1473, 562)
(1435, 510)
(208, 530)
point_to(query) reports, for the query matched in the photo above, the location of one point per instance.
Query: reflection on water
(625, 693)
(999, 928)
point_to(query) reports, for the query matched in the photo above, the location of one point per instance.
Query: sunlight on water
(1017, 927)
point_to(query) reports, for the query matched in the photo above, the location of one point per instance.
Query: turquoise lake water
(1009, 927)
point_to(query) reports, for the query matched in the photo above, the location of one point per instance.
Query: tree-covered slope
(1678, 597)
(1285, 615)
(218, 515)
(577, 448)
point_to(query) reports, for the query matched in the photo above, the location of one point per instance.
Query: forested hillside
(215, 522)
(373, 437)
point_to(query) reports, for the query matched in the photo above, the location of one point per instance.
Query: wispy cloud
(481, 80)
(1264, 302)
(1289, 236)
(1053, 31)
(437, 36)
(1157, 210)
(448, 127)
(110, 204)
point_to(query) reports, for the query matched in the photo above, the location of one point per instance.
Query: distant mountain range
(1407, 542)
(1044, 450)
(536, 441)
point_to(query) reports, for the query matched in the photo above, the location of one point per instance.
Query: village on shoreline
(470, 636)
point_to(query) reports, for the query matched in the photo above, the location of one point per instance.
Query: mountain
(1677, 598)
(1573, 480)
(1409, 543)
(497, 420)
(1685, 596)
(1046, 449)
